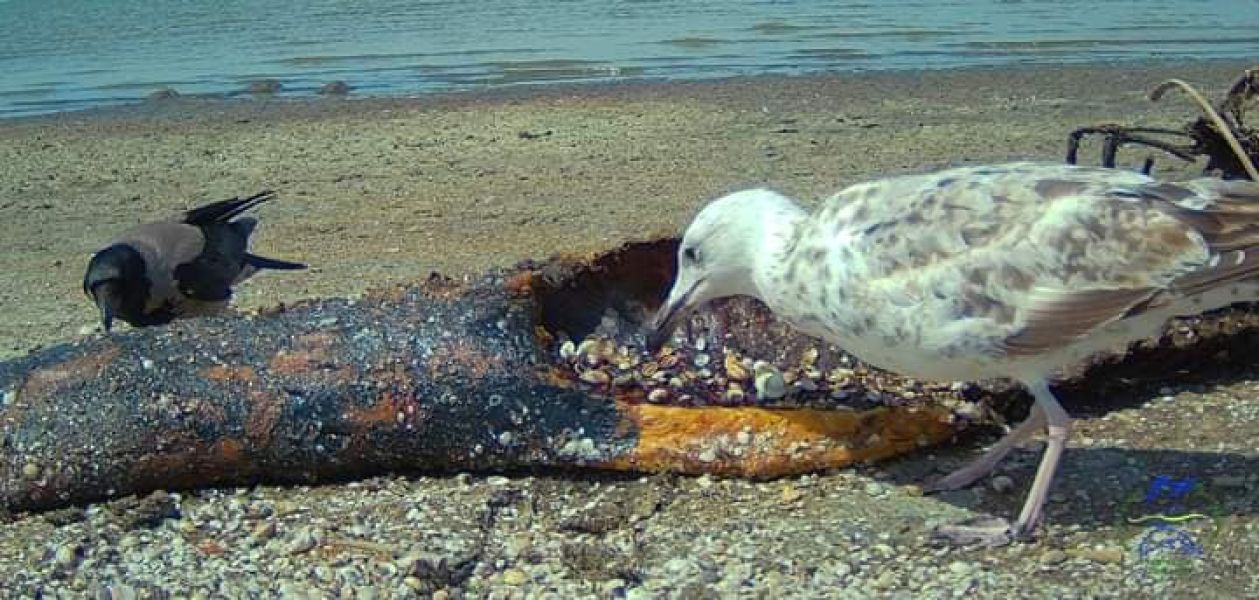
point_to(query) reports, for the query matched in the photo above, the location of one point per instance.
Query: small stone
(263, 531)
(874, 488)
(302, 542)
(958, 567)
(413, 582)
(707, 455)
(790, 494)
(119, 591)
(497, 480)
(515, 577)
(31, 470)
(1053, 557)
(658, 395)
(638, 593)
(702, 360)
(613, 588)
(1002, 484)
(66, 556)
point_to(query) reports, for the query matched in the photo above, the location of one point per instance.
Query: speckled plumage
(1014, 270)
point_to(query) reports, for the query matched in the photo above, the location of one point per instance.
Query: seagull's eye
(690, 254)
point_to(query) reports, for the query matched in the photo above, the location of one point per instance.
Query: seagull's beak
(670, 314)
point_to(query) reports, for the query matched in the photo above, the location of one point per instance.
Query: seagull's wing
(1156, 245)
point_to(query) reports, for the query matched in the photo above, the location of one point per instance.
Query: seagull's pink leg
(1059, 425)
(993, 532)
(984, 465)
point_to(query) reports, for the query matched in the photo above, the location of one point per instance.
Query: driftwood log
(446, 375)
(465, 375)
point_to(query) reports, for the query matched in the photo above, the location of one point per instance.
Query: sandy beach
(380, 191)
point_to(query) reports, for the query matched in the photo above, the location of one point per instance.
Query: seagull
(1014, 271)
(181, 267)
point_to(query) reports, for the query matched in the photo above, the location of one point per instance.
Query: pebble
(515, 577)
(1002, 484)
(66, 556)
(958, 567)
(302, 542)
(1053, 557)
(497, 480)
(638, 593)
(790, 494)
(30, 471)
(874, 488)
(121, 591)
(263, 531)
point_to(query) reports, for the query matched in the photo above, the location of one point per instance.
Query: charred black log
(441, 376)
(468, 375)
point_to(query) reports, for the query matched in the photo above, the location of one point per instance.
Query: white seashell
(770, 384)
(734, 368)
(658, 395)
(809, 358)
(595, 376)
(568, 350)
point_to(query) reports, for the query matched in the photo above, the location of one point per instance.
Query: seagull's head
(719, 253)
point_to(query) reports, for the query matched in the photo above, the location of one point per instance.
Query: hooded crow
(182, 267)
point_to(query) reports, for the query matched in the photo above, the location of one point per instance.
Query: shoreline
(194, 106)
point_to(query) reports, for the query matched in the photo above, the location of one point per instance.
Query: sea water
(60, 55)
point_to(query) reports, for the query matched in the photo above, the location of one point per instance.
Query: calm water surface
(69, 54)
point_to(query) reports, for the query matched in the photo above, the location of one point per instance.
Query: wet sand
(376, 191)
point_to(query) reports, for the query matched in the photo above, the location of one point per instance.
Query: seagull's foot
(983, 531)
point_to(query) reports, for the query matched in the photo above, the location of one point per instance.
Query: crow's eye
(690, 254)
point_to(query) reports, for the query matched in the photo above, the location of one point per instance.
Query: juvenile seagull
(182, 267)
(1013, 270)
